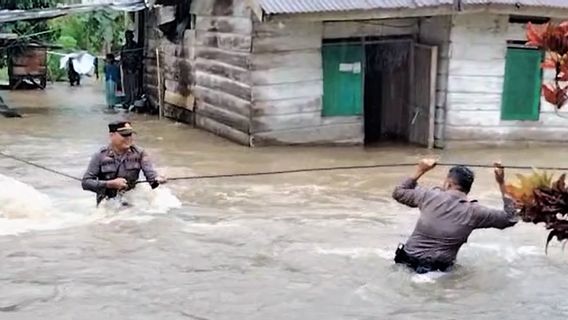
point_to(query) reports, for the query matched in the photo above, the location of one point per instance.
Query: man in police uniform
(115, 168)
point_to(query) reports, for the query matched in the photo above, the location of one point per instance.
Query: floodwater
(300, 246)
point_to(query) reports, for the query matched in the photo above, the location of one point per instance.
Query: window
(522, 85)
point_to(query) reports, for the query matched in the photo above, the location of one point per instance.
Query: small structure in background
(27, 64)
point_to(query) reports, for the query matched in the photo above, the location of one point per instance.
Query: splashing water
(19, 200)
(140, 200)
(23, 208)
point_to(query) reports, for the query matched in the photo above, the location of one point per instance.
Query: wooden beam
(237, 59)
(308, 89)
(221, 69)
(292, 59)
(222, 130)
(288, 106)
(342, 134)
(221, 98)
(224, 116)
(234, 88)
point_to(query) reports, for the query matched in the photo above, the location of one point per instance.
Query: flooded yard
(315, 245)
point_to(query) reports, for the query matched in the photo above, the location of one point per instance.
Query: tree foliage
(543, 200)
(97, 32)
(553, 39)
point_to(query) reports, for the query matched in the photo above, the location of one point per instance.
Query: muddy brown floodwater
(298, 246)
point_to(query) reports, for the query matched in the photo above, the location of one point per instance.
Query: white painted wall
(475, 84)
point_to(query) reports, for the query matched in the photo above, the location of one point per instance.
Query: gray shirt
(107, 165)
(447, 219)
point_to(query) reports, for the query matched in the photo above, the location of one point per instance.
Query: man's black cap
(121, 127)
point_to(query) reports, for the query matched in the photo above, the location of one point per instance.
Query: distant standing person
(96, 68)
(112, 77)
(74, 77)
(131, 60)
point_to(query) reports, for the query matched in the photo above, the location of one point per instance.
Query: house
(436, 73)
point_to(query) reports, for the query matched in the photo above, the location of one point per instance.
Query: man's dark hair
(463, 177)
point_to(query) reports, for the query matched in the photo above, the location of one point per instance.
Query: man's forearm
(94, 185)
(417, 175)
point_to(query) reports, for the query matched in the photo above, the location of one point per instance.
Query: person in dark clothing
(96, 67)
(115, 168)
(447, 217)
(131, 60)
(74, 77)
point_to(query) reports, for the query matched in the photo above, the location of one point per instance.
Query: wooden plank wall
(206, 76)
(151, 42)
(287, 80)
(436, 31)
(175, 65)
(223, 42)
(475, 85)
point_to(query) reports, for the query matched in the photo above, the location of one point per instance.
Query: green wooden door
(522, 86)
(342, 80)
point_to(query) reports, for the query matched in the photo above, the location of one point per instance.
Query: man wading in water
(115, 168)
(447, 218)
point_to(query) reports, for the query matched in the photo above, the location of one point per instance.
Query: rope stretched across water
(39, 166)
(280, 172)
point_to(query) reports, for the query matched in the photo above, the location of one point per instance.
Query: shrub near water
(541, 199)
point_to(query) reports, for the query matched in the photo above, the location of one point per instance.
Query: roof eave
(363, 14)
(536, 11)
(541, 11)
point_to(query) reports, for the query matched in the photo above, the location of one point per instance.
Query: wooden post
(159, 83)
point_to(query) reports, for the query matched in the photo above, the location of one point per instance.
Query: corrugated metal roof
(528, 3)
(47, 13)
(314, 6)
(310, 6)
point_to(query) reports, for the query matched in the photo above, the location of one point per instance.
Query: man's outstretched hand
(424, 166)
(499, 171)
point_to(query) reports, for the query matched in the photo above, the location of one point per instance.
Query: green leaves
(27, 4)
(67, 42)
(542, 200)
(90, 30)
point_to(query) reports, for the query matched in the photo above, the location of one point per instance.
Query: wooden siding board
(332, 134)
(287, 106)
(287, 91)
(387, 27)
(286, 75)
